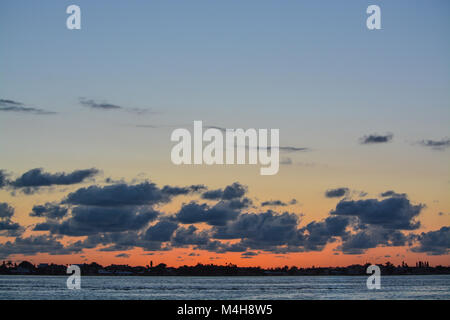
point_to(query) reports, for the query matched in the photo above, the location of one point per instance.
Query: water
(222, 288)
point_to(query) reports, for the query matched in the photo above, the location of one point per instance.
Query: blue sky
(310, 68)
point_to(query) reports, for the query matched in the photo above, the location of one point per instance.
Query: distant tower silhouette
(151, 264)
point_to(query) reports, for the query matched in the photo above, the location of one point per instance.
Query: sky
(86, 117)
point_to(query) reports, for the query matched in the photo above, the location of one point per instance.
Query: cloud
(277, 203)
(3, 179)
(376, 138)
(196, 213)
(7, 227)
(15, 106)
(26, 110)
(161, 231)
(248, 255)
(86, 220)
(122, 255)
(260, 230)
(436, 144)
(5, 102)
(36, 178)
(392, 193)
(318, 234)
(6, 211)
(235, 204)
(434, 242)
(122, 194)
(120, 217)
(235, 190)
(189, 236)
(336, 193)
(287, 149)
(293, 149)
(98, 105)
(193, 254)
(49, 210)
(371, 237)
(120, 241)
(90, 103)
(10, 229)
(176, 191)
(35, 244)
(390, 213)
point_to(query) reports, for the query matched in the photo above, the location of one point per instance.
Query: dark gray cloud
(248, 255)
(318, 234)
(120, 217)
(336, 193)
(10, 229)
(115, 241)
(278, 233)
(371, 237)
(236, 204)
(176, 191)
(6, 211)
(391, 213)
(392, 193)
(122, 255)
(216, 215)
(36, 244)
(122, 194)
(277, 203)
(233, 191)
(3, 179)
(86, 220)
(190, 236)
(7, 227)
(274, 203)
(436, 144)
(35, 178)
(161, 231)
(49, 210)
(434, 242)
(376, 138)
(15, 106)
(267, 228)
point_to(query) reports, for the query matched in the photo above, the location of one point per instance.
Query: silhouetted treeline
(27, 268)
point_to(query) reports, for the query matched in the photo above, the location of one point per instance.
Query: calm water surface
(317, 287)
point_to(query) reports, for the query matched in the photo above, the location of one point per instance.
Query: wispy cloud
(293, 149)
(96, 105)
(376, 138)
(93, 104)
(436, 144)
(15, 106)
